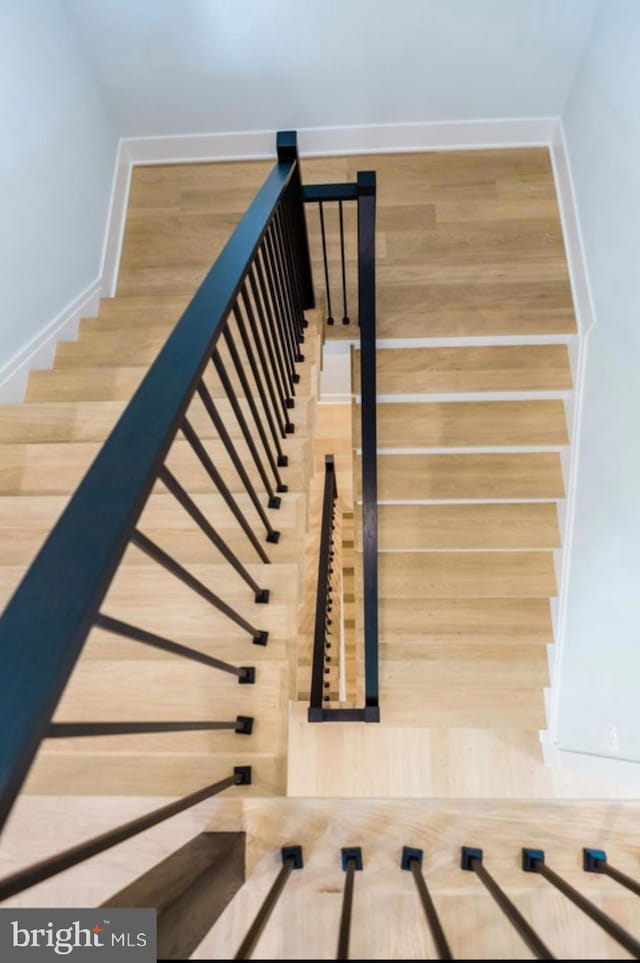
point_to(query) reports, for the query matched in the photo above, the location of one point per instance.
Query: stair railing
(325, 655)
(351, 860)
(244, 329)
(363, 192)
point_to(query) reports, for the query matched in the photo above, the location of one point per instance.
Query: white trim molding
(114, 233)
(621, 773)
(41, 350)
(356, 139)
(578, 349)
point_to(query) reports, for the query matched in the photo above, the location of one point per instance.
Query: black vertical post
(367, 315)
(411, 860)
(533, 862)
(325, 261)
(351, 861)
(291, 859)
(345, 312)
(471, 860)
(595, 861)
(287, 150)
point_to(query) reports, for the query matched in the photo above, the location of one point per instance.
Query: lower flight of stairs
(46, 445)
(471, 442)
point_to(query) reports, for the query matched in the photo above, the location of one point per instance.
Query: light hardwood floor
(468, 243)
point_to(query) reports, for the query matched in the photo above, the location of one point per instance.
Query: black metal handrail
(325, 614)
(265, 268)
(363, 192)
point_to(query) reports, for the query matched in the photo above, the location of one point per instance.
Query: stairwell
(475, 328)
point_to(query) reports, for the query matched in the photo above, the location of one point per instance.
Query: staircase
(474, 393)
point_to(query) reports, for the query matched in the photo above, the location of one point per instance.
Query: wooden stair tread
(470, 476)
(25, 523)
(465, 574)
(467, 665)
(466, 526)
(153, 586)
(509, 621)
(118, 382)
(78, 420)
(468, 424)
(463, 706)
(483, 368)
(144, 773)
(52, 468)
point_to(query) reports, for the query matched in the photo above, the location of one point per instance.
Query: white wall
(600, 677)
(191, 66)
(56, 164)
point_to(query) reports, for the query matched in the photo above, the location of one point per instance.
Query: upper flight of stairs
(46, 445)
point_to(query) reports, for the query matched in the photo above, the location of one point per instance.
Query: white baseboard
(622, 773)
(586, 320)
(357, 139)
(114, 234)
(40, 351)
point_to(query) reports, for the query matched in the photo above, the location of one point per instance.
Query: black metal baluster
(291, 859)
(368, 407)
(288, 282)
(225, 438)
(287, 317)
(46, 868)
(203, 456)
(278, 309)
(176, 489)
(533, 862)
(64, 730)
(246, 674)
(411, 860)
(274, 462)
(595, 861)
(286, 210)
(275, 330)
(471, 860)
(267, 326)
(326, 264)
(345, 313)
(351, 862)
(273, 501)
(162, 558)
(266, 360)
